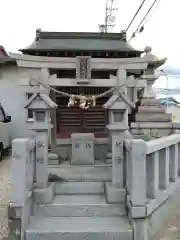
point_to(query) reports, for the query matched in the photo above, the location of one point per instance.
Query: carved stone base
(153, 132)
(152, 119)
(150, 102)
(150, 109)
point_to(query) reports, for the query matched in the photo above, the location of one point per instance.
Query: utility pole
(109, 16)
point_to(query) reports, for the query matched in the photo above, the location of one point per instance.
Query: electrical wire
(135, 15)
(152, 13)
(169, 75)
(142, 27)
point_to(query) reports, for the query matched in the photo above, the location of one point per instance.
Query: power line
(142, 27)
(135, 15)
(150, 15)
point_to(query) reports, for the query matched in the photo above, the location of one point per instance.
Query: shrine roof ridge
(75, 35)
(83, 41)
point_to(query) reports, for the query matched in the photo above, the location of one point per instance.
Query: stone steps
(79, 206)
(91, 173)
(85, 206)
(69, 188)
(79, 228)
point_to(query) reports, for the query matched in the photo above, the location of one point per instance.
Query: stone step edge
(74, 224)
(100, 202)
(67, 164)
(78, 188)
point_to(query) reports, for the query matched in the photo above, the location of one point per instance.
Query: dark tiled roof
(80, 41)
(7, 59)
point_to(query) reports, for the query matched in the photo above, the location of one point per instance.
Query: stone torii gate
(143, 189)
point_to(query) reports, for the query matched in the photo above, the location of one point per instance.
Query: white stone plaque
(82, 148)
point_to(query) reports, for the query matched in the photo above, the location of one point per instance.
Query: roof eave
(27, 50)
(158, 63)
(8, 60)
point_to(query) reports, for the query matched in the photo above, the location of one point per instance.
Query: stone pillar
(53, 121)
(149, 76)
(118, 125)
(41, 106)
(119, 102)
(109, 153)
(41, 159)
(115, 190)
(117, 155)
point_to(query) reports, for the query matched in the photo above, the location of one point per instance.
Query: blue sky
(20, 19)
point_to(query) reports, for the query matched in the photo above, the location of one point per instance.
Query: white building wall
(175, 111)
(13, 97)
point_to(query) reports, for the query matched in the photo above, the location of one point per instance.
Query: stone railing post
(136, 169)
(23, 167)
(136, 150)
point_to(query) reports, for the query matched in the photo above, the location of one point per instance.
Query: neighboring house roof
(170, 100)
(49, 41)
(4, 57)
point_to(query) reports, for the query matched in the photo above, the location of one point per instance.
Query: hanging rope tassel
(72, 101)
(94, 101)
(83, 102)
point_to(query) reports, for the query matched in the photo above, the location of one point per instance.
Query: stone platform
(152, 119)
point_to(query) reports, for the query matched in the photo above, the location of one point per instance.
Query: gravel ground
(172, 231)
(5, 190)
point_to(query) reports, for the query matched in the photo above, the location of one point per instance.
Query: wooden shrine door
(76, 120)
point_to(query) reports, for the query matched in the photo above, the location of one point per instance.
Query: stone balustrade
(152, 181)
(23, 177)
(23, 169)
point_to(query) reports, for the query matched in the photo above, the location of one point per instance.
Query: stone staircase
(80, 209)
